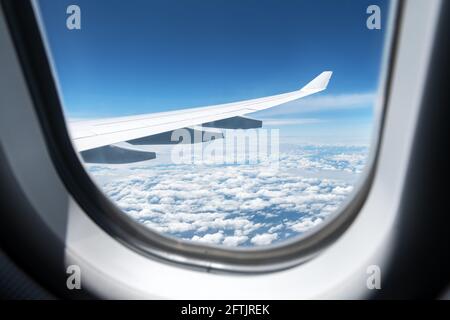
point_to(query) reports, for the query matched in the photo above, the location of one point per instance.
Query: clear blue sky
(134, 57)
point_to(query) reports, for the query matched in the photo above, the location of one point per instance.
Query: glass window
(133, 76)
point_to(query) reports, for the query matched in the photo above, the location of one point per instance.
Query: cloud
(306, 225)
(323, 103)
(236, 205)
(209, 238)
(234, 241)
(264, 239)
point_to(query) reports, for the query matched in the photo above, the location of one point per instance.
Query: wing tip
(319, 83)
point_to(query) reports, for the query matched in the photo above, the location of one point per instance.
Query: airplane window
(238, 124)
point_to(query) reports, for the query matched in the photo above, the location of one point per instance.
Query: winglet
(320, 83)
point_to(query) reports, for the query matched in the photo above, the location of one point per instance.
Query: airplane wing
(104, 134)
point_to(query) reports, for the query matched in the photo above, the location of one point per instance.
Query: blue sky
(133, 57)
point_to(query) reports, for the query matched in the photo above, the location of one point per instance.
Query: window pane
(237, 184)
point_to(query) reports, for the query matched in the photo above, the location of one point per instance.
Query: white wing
(91, 134)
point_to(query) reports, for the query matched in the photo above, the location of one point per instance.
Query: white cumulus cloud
(235, 205)
(264, 239)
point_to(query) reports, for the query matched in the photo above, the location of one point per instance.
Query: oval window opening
(239, 124)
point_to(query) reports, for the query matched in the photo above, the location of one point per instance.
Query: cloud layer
(236, 205)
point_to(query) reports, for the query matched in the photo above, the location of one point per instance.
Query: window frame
(30, 43)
